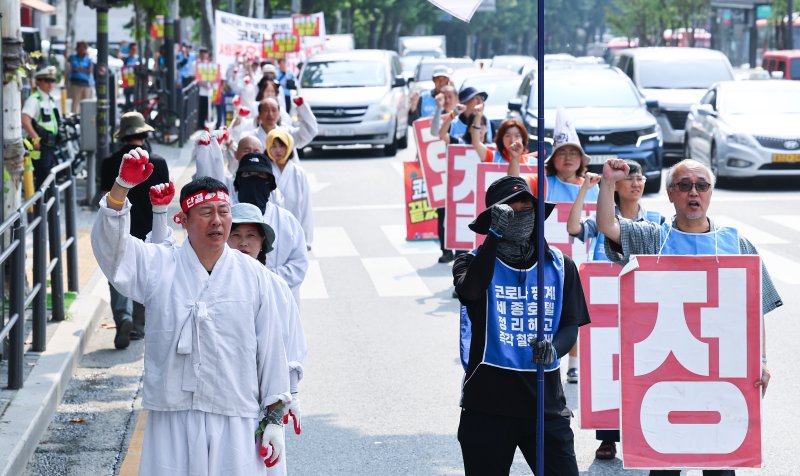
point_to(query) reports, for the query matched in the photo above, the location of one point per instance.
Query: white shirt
(214, 341)
(294, 194)
(289, 257)
(303, 133)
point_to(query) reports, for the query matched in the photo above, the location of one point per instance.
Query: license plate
(339, 132)
(784, 158)
(601, 159)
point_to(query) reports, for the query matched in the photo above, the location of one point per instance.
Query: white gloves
(293, 410)
(272, 444)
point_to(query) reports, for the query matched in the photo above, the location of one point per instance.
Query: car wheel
(653, 184)
(390, 150)
(403, 142)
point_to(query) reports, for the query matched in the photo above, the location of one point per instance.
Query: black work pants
(488, 443)
(42, 165)
(607, 435)
(202, 112)
(440, 227)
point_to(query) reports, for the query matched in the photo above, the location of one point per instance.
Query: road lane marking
(130, 464)
(755, 235)
(395, 277)
(313, 286)
(789, 221)
(332, 242)
(396, 235)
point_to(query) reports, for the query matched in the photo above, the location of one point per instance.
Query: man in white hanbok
(215, 362)
(269, 117)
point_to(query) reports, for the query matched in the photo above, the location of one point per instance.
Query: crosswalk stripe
(313, 286)
(789, 221)
(396, 236)
(395, 277)
(780, 268)
(398, 167)
(755, 235)
(332, 242)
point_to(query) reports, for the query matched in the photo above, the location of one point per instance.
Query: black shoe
(447, 256)
(572, 375)
(136, 335)
(122, 339)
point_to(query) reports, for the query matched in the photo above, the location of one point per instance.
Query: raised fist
(502, 213)
(161, 195)
(298, 101)
(135, 168)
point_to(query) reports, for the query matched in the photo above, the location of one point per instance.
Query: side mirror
(515, 105)
(706, 110)
(399, 81)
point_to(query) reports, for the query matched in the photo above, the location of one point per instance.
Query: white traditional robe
(289, 257)
(294, 194)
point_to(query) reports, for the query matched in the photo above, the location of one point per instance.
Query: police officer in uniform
(40, 119)
(497, 286)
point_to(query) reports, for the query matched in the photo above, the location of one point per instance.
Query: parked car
(423, 76)
(358, 97)
(609, 113)
(500, 84)
(747, 129)
(782, 61)
(517, 63)
(676, 78)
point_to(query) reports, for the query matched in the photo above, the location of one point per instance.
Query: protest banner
(421, 220)
(690, 347)
(599, 347)
(432, 153)
(128, 76)
(308, 25)
(157, 28)
(206, 71)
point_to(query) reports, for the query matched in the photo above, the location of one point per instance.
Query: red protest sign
(462, 166)
(306, 25)
(421, 220)
(556, 234)
(690, 346)
(599, 347)
(432, 153)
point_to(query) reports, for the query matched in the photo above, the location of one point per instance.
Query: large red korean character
(599, 347)
(555, 232)
(432, 153)
(462, 166)
(690, 339)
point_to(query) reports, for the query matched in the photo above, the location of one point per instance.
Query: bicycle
(166, 122)
(69, 147)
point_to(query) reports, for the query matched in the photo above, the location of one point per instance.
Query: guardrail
(187, 111)
(44, 223)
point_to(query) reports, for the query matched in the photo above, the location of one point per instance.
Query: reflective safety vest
(511, 314)
(48, 119)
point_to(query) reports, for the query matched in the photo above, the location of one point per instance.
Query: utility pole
(103, 136)
(170, 34)
(790, 37)
(13, 152)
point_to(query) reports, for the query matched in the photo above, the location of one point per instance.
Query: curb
(33, 407)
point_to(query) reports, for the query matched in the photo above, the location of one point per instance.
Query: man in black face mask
(497, 287)
(133, 132)
(253, 184)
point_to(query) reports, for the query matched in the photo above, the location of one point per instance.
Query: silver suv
(672, 79)
(358, 97)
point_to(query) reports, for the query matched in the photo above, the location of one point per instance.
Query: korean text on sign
(690, 346)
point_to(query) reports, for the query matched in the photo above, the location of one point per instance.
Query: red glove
(236, 101)
(244, 111)
(135, 168)
(161, 195)
(298, 101)
(204, 138)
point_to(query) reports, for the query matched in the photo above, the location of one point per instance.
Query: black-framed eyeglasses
(686, 186)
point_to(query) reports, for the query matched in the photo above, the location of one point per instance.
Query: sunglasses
(686, 186)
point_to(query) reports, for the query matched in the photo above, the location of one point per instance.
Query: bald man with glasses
(690, 186)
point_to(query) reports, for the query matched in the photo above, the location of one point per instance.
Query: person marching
(511, 143)
(293, 191)
(496, 285)
(129, 315)
(627, 194)
(269, 117)
(458, 125)
(425, 104)
(691, 232)
(215, 364)
(251, 235)
(564, 174)
(40, 120)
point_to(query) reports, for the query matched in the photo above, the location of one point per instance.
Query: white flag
(461, 9)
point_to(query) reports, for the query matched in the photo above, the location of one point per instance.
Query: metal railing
(44, 223)
(187, 111)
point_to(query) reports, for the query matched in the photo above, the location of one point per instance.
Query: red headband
(203, 196)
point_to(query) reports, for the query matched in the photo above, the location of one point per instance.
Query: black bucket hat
(505, 190)
(468, 93)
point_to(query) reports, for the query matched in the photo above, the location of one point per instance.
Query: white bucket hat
(564, 134)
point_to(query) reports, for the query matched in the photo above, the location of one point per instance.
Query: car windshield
(514, 64)
(777, 101)
(499, 89)
(682, 74)
(343, 74)
(794, 70)
(586, 91)
(425, 72)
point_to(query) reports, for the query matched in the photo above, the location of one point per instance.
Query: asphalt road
(382, 378)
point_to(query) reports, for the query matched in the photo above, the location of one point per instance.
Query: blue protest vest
(76, 77)
(458, 129)
(721, 241)
(599, 249)
(511, 310)
(559, 191)
(429, 107)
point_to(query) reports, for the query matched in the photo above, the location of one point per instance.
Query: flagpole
(540, 134)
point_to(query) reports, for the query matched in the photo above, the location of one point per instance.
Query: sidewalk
(26, 413)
